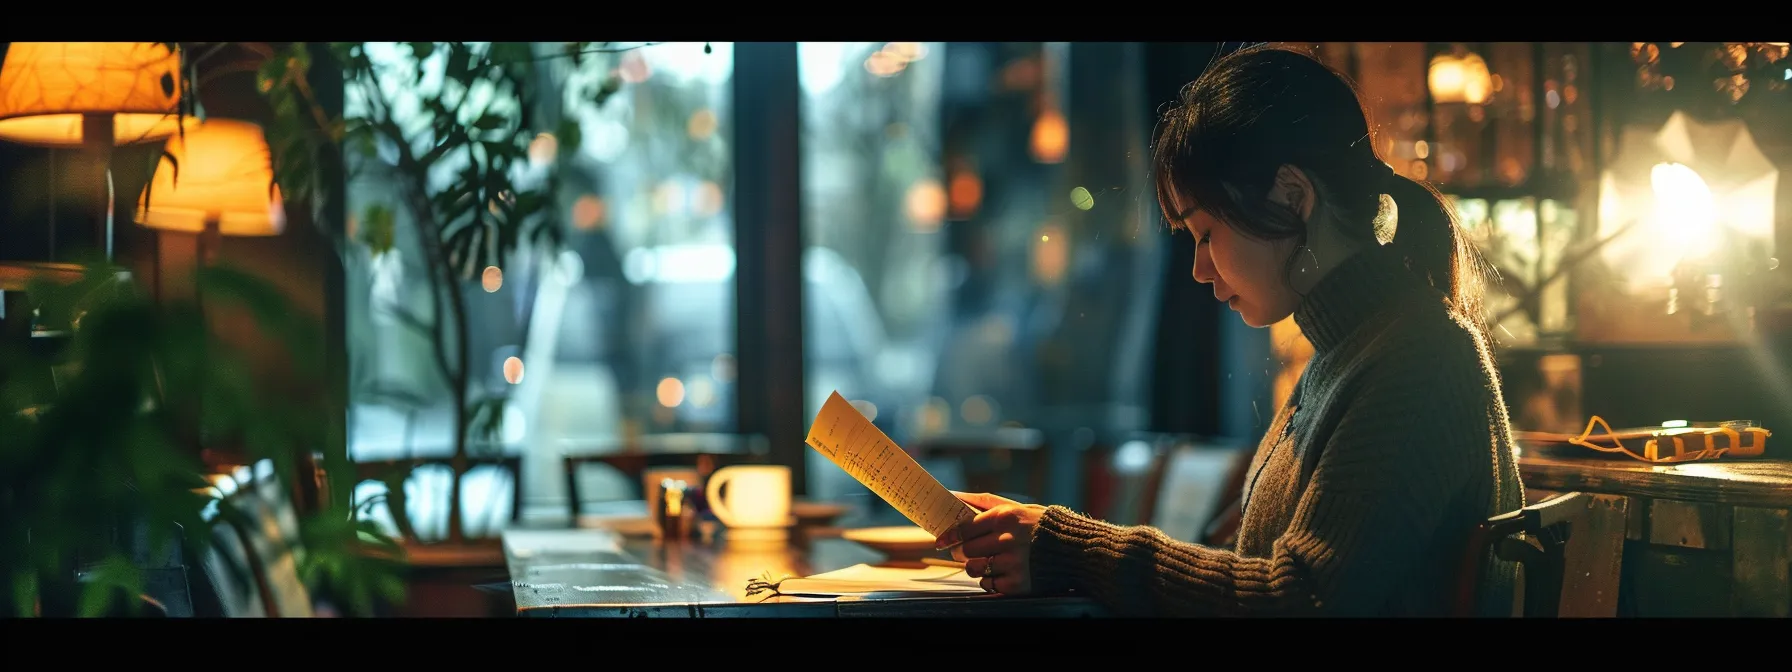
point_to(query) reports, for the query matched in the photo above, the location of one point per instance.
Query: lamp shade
(1691, 186)
(47, 87)
(221, 172)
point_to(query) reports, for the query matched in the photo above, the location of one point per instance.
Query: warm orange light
(964, 194)
(670, 392)
(46, 87)
(707, 200)
(588, 213)
(1051, 256)
(926, 204)
(884, 63)
(543, 149)
(702, 125)
(1459, 79)
(221, 173)
(1291, 351)
(1051, 137)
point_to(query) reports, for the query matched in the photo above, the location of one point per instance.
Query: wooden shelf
(17, 276)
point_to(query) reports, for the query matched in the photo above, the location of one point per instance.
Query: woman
(1394, 443)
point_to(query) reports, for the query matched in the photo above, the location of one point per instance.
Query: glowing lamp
(1684, 192)
(1051, 137)
(219, 175)
(51, 91)
(1459, 79)
(215, 180)
(91, 96)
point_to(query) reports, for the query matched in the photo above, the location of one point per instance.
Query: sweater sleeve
(1375, 501)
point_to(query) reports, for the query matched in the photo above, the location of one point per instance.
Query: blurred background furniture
(704, 452)
(1008, 461)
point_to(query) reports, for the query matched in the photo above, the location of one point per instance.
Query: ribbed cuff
(1061, 560)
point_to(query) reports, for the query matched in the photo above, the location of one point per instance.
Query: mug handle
(712, 495)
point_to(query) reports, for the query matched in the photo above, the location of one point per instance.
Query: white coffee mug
(757, 495)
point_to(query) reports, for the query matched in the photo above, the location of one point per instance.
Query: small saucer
(777, 533)
(817, 514)
(755, 534)
(898, 543)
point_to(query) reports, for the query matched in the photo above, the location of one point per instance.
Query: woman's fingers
(976, 567)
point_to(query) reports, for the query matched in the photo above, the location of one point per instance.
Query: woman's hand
(997, 544)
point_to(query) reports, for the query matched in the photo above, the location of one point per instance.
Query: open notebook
(864, 579)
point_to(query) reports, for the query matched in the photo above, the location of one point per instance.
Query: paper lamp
(1689, 188)
(221, 175)
(49, 89)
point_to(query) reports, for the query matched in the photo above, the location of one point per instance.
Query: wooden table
(598, 573)
(1701, 539)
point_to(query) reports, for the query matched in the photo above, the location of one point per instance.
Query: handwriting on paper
(851, 442)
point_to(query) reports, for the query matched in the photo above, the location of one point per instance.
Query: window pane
(650, 214)
(976, 264)
(874, 276)
(648, 255)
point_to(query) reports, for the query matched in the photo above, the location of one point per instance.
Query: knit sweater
(1361, 497)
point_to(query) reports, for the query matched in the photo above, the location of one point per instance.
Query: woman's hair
(1261, 108)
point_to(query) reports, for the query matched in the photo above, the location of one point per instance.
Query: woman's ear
(1294, 191)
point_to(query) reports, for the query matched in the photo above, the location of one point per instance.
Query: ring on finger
(989, 567)
(975, 568)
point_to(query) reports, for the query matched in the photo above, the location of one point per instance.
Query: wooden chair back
(1007, 461)
(1569, 548)
(252, 568)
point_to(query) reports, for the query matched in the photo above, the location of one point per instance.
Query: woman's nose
(1204, 272)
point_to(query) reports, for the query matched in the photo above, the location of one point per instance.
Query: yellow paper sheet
(847, 438)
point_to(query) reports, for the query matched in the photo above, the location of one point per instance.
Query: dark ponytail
(1262, 108)
(1427, 236)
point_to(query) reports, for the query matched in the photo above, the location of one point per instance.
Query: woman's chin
(1253, 316)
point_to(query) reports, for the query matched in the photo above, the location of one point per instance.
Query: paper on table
(854, 444)
(862, 579)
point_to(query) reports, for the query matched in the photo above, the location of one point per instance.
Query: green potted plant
(99, 415)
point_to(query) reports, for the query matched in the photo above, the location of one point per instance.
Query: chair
(252, 570)
(991, 459)
(1121, 483)
(382, 470)
(1569, 549)
(1177, 483)
(1222, 530)
(703, 452)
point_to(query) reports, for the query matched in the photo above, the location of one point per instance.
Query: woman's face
(1246, 273)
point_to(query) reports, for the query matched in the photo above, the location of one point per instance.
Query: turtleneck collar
(1353, 293)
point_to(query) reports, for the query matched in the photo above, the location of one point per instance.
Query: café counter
(1700, 539)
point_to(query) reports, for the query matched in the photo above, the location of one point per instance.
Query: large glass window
(968, 269)
(645, 339)
(626, 329)
(875, 271)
